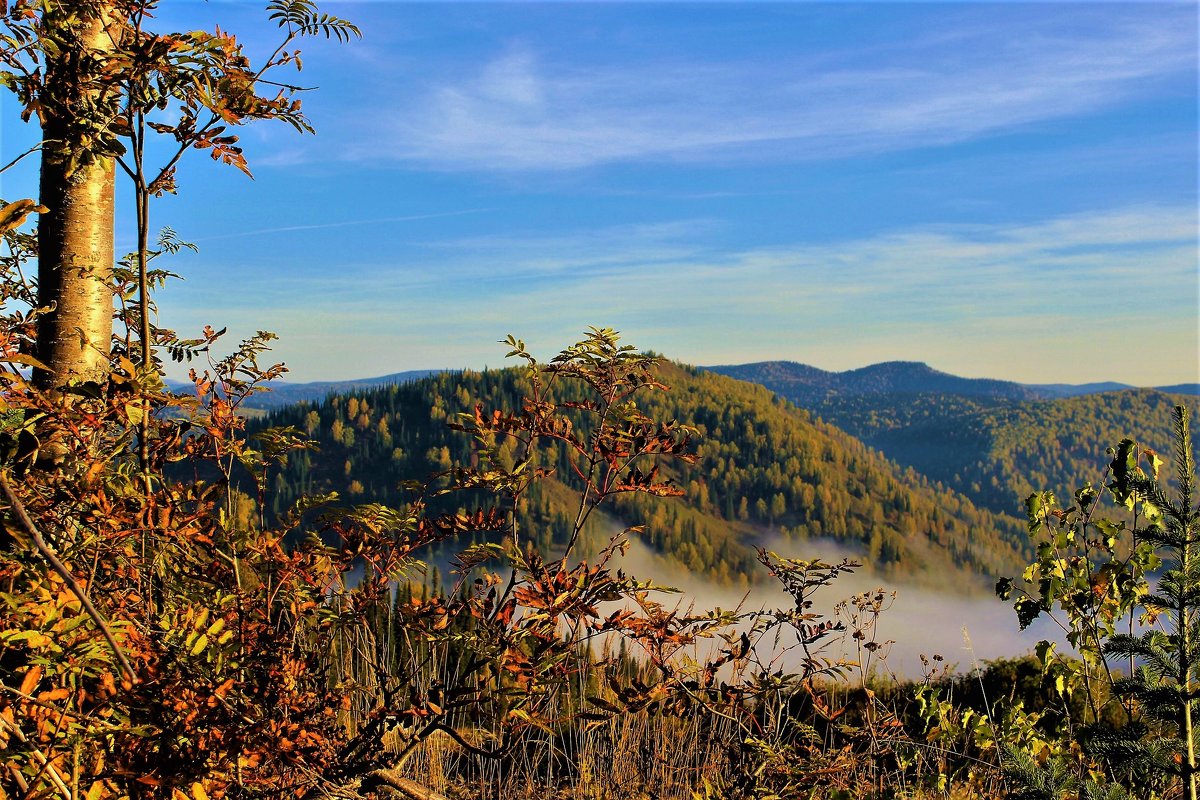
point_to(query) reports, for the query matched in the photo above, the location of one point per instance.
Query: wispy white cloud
(1110, 294)
(505, 258)
(341, 224)
(520, 111)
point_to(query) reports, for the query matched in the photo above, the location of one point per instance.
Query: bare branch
(17, 160)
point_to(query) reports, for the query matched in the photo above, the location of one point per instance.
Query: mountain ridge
(782, 376)
(910, 377)
(285, 393)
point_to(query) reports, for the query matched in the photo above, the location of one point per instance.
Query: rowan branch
(38, 756)
(47, 553)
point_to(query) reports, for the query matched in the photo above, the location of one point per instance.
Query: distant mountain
(804, 384)
(768, 470)
(1181, 388)
(800, 383)
(807, 386)
(283, 393)
(1077, 389)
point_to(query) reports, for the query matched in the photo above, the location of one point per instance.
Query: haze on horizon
(999, 190)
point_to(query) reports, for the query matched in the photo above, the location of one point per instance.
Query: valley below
(918, 475)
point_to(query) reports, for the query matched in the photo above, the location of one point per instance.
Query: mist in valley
(964, 629)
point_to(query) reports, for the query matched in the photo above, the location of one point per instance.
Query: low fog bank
(920, 620)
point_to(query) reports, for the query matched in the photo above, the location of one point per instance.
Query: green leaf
(1038, 505)
(1027, 610)
(1124, 471)
(1044, 652)
(1110, 530)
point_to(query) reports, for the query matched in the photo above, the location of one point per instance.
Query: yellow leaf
(29, 361)
(36, 641)
(134, 412)
(198, 791)
(13, 215)
(201, 643)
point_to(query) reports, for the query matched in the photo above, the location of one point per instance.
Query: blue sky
(1003, 190)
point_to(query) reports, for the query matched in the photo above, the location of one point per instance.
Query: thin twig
(27, 523)
(987, 705)
(40, 757)
(403, 786)
(28, 152)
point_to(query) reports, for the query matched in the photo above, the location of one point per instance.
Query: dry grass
(627, 758)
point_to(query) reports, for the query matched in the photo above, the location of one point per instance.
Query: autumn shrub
(163, 635)
(155, 641)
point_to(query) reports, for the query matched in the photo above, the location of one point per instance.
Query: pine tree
(1164, 684)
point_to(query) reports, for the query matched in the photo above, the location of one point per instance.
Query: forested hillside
(998, 453)
(766, 469)
(993, 441)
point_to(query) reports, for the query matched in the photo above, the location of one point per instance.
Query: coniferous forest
(421, 589)
(764, 467)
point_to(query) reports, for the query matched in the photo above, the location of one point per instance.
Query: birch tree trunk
(75, 236)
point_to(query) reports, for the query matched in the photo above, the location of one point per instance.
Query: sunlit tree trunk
(75, 236)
